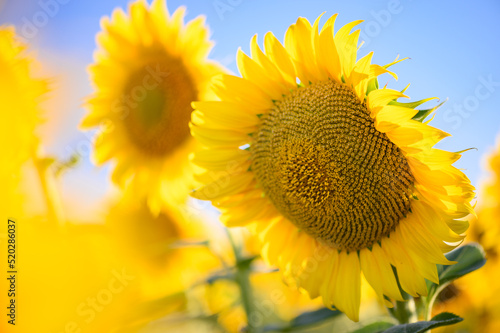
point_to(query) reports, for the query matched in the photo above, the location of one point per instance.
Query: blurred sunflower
(272, 301)
(153, 244)
(148, 68)
(336, 174)
(70, 270)
(112, 277)
(486, 228)
(20, 93)
(476, 295)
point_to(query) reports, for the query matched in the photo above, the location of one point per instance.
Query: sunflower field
(249, 166)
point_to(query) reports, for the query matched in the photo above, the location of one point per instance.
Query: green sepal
(442, 319)
(421, 114)
(412, 105)
(372, 85)
(464, 150)
(395, 62)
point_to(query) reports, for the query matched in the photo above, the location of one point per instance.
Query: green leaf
(377, 327)
(314, 317)
(469, 258)
(442, 319)
(303, 320)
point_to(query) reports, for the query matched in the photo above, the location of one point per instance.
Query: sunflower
(151, 243)
(331, 171)
(21, 94)
(148, 68)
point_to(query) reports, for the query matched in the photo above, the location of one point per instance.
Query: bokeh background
(453, 49)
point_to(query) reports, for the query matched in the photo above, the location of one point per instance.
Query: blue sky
(454, 48)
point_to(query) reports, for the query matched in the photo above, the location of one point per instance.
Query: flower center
(322, 163)
(157, 232)
(157, 106)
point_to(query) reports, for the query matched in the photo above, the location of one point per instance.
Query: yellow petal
(269, 67)
(379, 98)
(414, 134)
(434, 222)
(329, 280)
(347, 46)
(315, 269)
(236, 122)
(224, 184)
(245, 215)
(360, 76)
(239, 199)
(409, 277)
(277, 238)
(299, 45)
(436, 158)
(218, 138)
(327, 55)
(140, 21)
(419, 242)
(378, 272)
(280, 58)
(196, 42)
(391, 116)
(376, 70)
(221, 159)
(347, 289)
(316, 49)
(253, 72)
(235, 89)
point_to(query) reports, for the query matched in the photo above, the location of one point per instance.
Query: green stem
(243, 279)
(429, 302)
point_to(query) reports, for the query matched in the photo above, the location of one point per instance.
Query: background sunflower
(148, 68)
(476, 294)
(21, 92)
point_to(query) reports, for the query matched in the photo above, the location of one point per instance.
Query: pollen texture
(324, 166)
